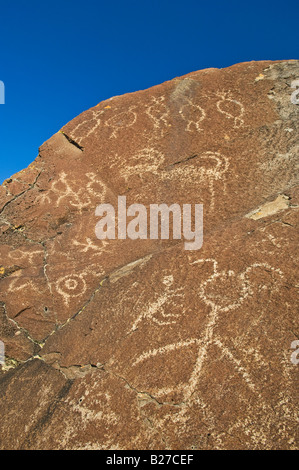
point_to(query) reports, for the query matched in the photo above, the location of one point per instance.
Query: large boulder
(143, 344)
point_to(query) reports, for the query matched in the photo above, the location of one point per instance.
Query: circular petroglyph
(120, 120)
(231, 108)
(193, 115)
(71, 286)
(225, 290)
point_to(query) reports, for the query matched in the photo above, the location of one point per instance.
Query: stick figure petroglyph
(231, 108)
(63, 191)
(159, 114)
(216, 293)
(158, 311)
(193, 114)
(121, 120)
(90, 246)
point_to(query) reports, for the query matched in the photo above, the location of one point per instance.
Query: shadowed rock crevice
(71, 141)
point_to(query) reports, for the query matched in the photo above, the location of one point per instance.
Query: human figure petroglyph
(89, 125)
(89, 246)
(97, 118)
(159, 114)
(226, 102)
(193, 114)
(228, 106)
(213, 293)
(121, 120)
(158, 310)
(63, 191)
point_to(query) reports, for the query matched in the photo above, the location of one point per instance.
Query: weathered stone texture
(140, 344)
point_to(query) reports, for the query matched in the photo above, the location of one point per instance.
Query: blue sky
(60, 57)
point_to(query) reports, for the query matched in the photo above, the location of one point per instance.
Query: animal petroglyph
(147, 160)
(206, 169)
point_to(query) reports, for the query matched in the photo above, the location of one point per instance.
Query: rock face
(141, 344)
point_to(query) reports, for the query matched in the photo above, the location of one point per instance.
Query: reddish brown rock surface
(140, 344)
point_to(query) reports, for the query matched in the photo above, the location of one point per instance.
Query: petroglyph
(88, 126)
(142, 344)
(89, 246)
(121, 120)
(193, 114)
(103, 118)
(28, 257)
(18, 283)
(231, 108)
(74, 285)
(62, 191)
(206, 169)
(159, 311)
(159, 113)
(222, 291)
(71, 285)
(146, 161)
(203, 172)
